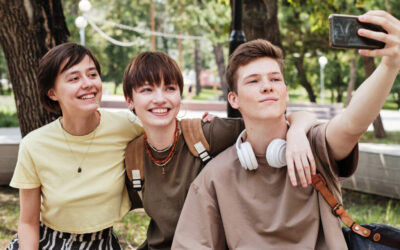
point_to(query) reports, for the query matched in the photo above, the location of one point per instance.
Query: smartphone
(343, 33)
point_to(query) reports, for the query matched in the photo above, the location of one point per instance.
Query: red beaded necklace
(162, 163)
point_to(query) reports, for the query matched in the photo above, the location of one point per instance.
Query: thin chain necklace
(79, 163)
(162, 163)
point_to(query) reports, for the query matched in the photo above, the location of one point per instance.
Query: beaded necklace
(162, 163)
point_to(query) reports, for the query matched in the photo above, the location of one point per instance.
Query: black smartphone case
(343, 33)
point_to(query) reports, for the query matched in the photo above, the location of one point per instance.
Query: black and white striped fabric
(54, 240)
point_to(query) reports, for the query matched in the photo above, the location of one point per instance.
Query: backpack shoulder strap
(194, 137)
(134, 154)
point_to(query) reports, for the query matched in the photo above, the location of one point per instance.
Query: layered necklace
(77, 161)
(163, 162)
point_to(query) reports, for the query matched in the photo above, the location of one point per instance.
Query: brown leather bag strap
(319, 184)
(194, 137)
(134, 154)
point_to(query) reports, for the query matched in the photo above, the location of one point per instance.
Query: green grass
(367, 208)
(131, 230)
(392, 137)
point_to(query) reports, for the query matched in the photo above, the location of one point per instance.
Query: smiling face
(156, 105)
(261, 91)
(78, 89)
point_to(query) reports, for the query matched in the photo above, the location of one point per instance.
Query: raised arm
(298, 151)
(28, 226)
(345, 129)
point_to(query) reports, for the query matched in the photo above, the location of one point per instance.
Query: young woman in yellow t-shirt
(70, 172)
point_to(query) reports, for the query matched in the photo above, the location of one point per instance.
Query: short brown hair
(151, 67)
(248, 52)
(50, 67)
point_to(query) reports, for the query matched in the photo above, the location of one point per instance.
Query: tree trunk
(369, 67)
(28, 29)
(339, 84)
(353, 78)
(398, 99)
(260, 20)
(303, 78)
(219, 58)
(197, 66)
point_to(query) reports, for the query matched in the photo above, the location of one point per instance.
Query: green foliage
(393, 137)
(367, 208)
(305, 33)
(8, 119)
(3, 65)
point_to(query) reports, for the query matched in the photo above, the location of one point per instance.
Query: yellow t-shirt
(72, 201)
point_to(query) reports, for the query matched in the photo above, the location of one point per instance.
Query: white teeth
(88, 96)
(159, 110)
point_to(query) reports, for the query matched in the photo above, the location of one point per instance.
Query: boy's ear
(129, 101)
(52, 95)
(233, 100)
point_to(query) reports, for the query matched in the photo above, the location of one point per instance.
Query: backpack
(195, 140)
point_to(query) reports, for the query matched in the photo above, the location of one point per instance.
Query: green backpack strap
(195, 140)
(134, 154)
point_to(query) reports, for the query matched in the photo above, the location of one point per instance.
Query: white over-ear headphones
(275, 153)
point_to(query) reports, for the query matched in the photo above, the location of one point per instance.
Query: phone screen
(343, 33)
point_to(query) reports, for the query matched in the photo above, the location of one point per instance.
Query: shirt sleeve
(222, 133)
(200, 225)
(327, 164)
(25, 174)
(135, 126)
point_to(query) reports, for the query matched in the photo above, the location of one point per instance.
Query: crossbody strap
(319, 184)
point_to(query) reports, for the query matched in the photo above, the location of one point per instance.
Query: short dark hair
(248, 52)
(50, 67)
(152, 67)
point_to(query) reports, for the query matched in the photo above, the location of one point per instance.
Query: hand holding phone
(343, 33)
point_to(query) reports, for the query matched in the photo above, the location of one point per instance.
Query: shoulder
(122, 123)
(38, 134)
(222, 124)
(121, 116)
(222, 133)
(221, 166)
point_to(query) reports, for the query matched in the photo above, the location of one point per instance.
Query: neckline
(80, 137)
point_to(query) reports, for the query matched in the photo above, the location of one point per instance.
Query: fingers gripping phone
(343, 33)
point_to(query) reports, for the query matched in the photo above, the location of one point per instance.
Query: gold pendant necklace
(79, 170)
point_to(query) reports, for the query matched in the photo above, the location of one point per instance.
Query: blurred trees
(302, 33)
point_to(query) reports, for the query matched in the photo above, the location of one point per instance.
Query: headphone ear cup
(245, 153)
(249, 156)
(276, 153)
(241, 158)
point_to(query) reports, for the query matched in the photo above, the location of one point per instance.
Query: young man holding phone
(228, 206)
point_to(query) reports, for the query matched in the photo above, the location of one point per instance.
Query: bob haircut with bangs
(152, 67)
(50, 68)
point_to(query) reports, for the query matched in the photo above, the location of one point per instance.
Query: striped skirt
(55, 240)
